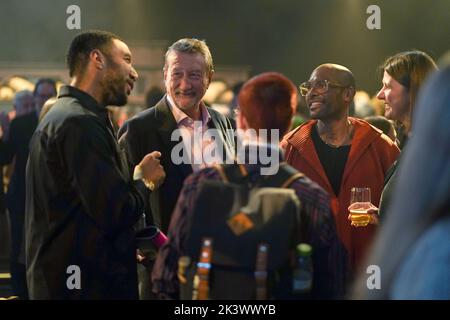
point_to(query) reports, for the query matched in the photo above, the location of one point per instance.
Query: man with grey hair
(188, 70)
(340, 152)
(23, 102)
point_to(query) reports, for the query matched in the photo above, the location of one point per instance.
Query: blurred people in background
(384, 125)
(363, 105)
(302, 113)
(23, 103)
(403, 75)
(3, 161)
(234, 101)
(44, 89)
(412, 249)
(4, 124)
(153, 96)
(378, 105)
(340, 152)
(16, 154)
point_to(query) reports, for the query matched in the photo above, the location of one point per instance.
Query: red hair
(268, 101)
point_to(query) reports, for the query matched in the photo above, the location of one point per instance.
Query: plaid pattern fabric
(328, 255)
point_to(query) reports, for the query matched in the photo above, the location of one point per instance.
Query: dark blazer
(151, 130)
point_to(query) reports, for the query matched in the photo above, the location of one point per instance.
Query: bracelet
(149, 184)
(138, 175)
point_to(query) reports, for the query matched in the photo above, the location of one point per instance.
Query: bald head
(330, 91)
(335, 73)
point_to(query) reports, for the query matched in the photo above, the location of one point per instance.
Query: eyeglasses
(321, 86)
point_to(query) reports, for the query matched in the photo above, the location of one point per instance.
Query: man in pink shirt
(188, 71)
(180, 127)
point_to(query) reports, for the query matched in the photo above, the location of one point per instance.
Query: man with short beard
(81, 205)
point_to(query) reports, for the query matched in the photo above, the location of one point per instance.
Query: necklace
(346, 140)
(335, 146)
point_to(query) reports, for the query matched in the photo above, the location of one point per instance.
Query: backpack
(241, 236)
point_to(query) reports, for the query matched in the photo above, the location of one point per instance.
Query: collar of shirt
(85, 99)
(182, 119)
(88, 102)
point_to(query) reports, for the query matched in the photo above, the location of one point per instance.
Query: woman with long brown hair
(412, 250)
(403, 75)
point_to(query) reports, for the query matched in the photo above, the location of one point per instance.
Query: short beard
(113, 98)
(112, 93)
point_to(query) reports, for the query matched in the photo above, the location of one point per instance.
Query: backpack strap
(232, 173)
(237, 173)
(285, 176)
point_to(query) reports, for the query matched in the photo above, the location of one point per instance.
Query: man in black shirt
(80, 202)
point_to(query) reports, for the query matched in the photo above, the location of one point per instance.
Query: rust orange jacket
(371, 155)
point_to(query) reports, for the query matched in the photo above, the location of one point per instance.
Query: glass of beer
(360, 201)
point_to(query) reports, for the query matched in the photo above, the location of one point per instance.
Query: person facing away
(340, 152)
(412, 248)
(266, 102)
(403, 75)
(81, 205)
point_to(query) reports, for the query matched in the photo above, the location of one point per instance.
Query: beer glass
(360, 197)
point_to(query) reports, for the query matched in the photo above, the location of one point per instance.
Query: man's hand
(150, 170)
(370, 209)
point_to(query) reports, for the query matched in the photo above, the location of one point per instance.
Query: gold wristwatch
(138, 175)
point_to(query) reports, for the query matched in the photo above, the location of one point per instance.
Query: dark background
(289, 36)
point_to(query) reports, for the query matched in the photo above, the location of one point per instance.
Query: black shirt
(81, 204)
(333, 160)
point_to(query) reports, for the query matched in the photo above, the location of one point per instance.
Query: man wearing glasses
(340, 152)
